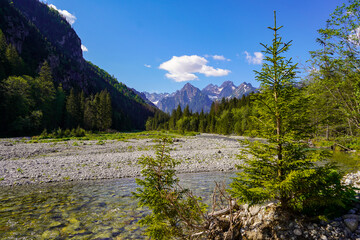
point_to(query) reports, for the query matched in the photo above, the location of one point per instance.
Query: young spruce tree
(281, 169)
(175, 211)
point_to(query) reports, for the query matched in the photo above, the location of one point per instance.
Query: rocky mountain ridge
(197, 99)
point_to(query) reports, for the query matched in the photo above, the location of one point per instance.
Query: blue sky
(159, 45)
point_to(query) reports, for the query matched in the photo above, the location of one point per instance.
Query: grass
(119, 136)
(348, 162)
(100, 142)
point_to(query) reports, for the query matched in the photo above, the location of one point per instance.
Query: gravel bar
(33, 163)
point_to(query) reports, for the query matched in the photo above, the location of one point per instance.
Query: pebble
(297, 232)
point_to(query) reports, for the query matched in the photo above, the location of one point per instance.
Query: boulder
(351, 223)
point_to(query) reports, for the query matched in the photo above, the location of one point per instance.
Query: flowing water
(101, 209)
(83, 210)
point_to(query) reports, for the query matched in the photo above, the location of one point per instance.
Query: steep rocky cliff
(40, 33)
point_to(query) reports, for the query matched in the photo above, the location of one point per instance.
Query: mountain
(155, 97)
(196, 99)
(212, 91)
(39, 33)
(188, 95)
(243, 89)
(228, 90)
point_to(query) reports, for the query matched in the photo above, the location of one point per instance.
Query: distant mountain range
(197, 99)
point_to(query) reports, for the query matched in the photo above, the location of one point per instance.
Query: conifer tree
(178, 113)
(172, 120)
(82, 108)
(16, 65)
(73, 109)
(59, 107)
(3, 62)
(44, 92)
(175, 211)
(107, 111)
(281, 169)
(186, 111)
(90, 113)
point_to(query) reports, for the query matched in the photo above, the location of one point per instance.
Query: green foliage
(59, 133)
(306, 186)
(231, 116)
(174, 211)
(73, 109)
(17, 104)
(281, 169)
(15, 63)
(337, 68)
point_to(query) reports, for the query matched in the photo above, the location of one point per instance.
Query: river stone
(50, 234)
(351, 223)
(310, 227)
(352, 216)
(297, 232)
(323, 237)
(254, 210)
(55, 224)
(348, 182)
(352, 211)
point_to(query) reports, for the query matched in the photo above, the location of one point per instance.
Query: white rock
(348, 181)
(254, 210)
(297, 232)
(351, 223)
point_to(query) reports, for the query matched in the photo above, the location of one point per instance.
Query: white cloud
(220, 57)
(83, 48)
(183, 68)
(354, 37)
(147, 65)
(68, 16)
(256, 59)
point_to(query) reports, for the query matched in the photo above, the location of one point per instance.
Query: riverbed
(26, 162)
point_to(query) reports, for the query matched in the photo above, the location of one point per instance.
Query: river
(102, 209)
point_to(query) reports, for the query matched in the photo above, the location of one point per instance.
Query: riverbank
(25, 162)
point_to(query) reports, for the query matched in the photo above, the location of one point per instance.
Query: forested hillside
(37, 43)
(225, 117)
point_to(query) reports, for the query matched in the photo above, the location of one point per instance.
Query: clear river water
(101, 209)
